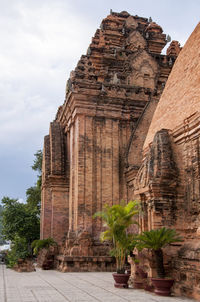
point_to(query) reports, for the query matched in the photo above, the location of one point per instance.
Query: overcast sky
(40, 43)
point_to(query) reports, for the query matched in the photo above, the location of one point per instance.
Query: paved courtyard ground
(53, 286)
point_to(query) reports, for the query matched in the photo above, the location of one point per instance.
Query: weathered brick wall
(180, 98)
(55, 188)
(168, 181)
(95, 176)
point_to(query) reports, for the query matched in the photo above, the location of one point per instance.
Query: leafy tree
(18, 220)
(18, 251)
(33, 193)
(37, 164)
(21, 221)
(155, 240)
(2, 241)
(33, 200)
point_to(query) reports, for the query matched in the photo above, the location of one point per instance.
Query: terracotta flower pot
(149, 287)
(121, 280)
(162, 286)
(138, 284)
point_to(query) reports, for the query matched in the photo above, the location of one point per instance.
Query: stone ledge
(85, 258)
(85, 263)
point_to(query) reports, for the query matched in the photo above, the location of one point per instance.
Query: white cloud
(41, 42)
(41, 46)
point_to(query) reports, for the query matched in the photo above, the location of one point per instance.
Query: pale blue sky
(40, 43)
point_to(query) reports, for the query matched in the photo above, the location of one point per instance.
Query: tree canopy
(1, 234)
(20, 222)
(33, 194)
(37, 164)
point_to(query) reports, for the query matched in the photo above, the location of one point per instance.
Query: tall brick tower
(168, 180)
(110, 99)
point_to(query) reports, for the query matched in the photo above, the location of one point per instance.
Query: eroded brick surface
(180, 99)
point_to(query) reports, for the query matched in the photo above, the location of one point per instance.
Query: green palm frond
(117, 219)
(107, 235)
(157, 239)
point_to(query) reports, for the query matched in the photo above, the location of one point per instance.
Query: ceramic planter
(138, 284)
(121, 280)
(162, 286)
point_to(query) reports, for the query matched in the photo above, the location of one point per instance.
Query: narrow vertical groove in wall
(193, 169)
(75, 174)
(119, 159)
(72, 184)
(84, 156)
(73, 163)
(71, 176)
(94, 172)
(50, 205)
(68, 176)
(124, 163)
(70, 179)
(101, 167)
(127, 140)
(76, 170)
(198, 164)
(115, 164)
(112, 160)
(105, 180)
(98, 172)
(51, 213)
(108, 161)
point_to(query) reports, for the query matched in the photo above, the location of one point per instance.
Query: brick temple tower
(95, 143)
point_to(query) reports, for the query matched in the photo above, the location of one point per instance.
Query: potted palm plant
(156, 240)
(117, 219)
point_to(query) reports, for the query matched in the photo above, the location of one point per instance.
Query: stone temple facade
(116, 138)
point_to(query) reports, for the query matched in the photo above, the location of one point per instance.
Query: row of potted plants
(117, 219)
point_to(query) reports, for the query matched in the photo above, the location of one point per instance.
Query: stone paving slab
(53, 286)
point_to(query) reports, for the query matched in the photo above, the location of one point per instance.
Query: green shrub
(18, 250)
(40, 244)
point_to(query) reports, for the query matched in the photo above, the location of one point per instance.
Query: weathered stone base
(186, 271)
(84, 264)
(24, 265)
(45, 259)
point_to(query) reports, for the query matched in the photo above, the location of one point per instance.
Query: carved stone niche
(156, 183)
(145, 71)
(82, 243)
(131, 23)
(136, 41)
